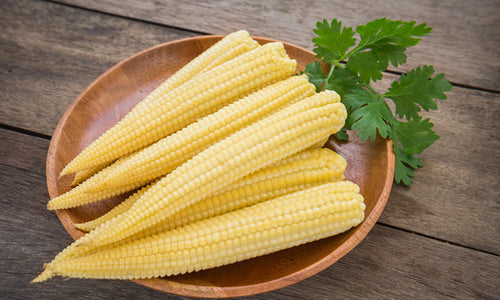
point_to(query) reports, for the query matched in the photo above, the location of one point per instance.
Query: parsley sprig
(359, 57)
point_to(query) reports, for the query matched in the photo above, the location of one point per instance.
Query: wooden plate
(113, 94)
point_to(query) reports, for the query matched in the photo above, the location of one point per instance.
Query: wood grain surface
(49, 53)
(438, 239)
(464, 42)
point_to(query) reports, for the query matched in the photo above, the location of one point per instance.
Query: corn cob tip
(51, 205)
(334, 94)
(241, 32)
(70, 168)
(67, 170)
(63, 173)
(81, 176)
(46, 274)
(82, 226)
(278, 48)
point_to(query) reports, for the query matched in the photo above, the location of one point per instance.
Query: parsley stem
(332, 67)
(338, 65)
(354, 50)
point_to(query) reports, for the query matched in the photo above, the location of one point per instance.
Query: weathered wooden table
(438, 239)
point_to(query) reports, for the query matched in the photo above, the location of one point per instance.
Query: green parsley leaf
(332, 41)
(404, 166)
(367, 65)
(342, 135)
(390, 53)
(315, 74)
(369, 114)
(383, 41)
(355, 63)
(342, 81)
(415, 135)
(385, 31)
(417, 87)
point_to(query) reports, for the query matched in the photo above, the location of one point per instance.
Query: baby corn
(282, 134)
(201, 95)
(227, 154)
(165, 155)
(267, 141)
(307, 168)
(168, 153)
(269, 226)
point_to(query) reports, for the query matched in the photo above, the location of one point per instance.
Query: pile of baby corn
(226, 163)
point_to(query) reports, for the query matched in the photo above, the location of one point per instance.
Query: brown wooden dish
(113, 94)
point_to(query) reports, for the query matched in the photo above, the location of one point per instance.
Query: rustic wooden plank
(389, 263)
(49, 53)
(464, 43)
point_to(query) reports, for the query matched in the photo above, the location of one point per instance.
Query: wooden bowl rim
(192, 290)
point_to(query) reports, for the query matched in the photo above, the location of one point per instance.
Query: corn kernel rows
(153, 120)
(256, 73)
(307, 167)
(256, 230)
(165, 155)
(284, 182)
(185, 185)
(242, 196)
(226, 49)
(168, 153)
(280, 135)
(261, 186)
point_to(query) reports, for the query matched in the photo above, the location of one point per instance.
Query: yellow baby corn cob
(82, 175)
(273, 225)
(307, 168)
(241, 197)
(168, 153)
(79, 193)
(267, 141)
(168, 112)
(282, 134)
(115, 211)
(229, 47)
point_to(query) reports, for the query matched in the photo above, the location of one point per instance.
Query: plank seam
(25, 131)
(127, 17)
(438, 239)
